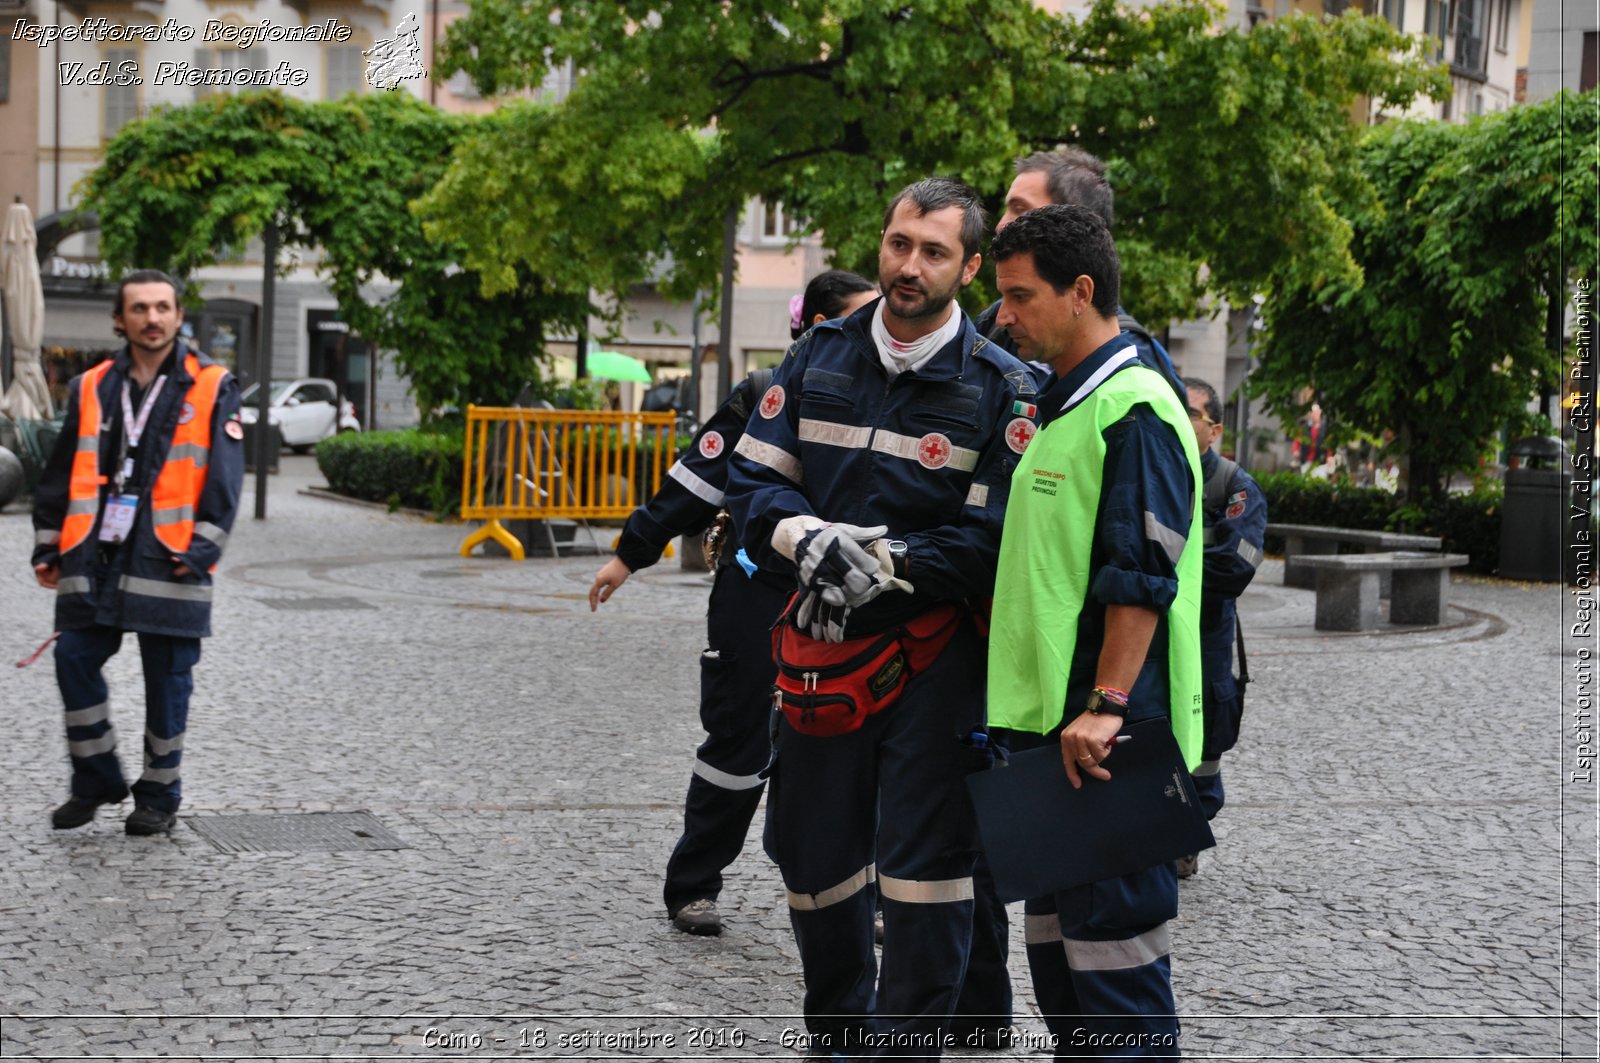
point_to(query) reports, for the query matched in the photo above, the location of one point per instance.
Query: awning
(79, 325)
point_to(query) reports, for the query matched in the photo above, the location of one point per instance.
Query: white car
(306, 411)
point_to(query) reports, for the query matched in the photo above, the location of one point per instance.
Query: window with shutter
(121, 101)
(346, 72)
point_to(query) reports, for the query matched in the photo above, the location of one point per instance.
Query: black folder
(1041, 836)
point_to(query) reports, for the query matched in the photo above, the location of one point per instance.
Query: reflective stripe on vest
(83, 488)
(183, 474)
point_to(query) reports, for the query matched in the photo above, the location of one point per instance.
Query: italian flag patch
(1024, 409)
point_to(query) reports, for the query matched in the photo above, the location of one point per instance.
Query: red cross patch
(233, 429)
(1234, 510)
(933, 451)
(711, 444)
(186, 414)
(1019, 433)
(771, 402)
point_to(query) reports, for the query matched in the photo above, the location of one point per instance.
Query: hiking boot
(77, 811)
(144, 821)
(698, 917)
(1188, 865)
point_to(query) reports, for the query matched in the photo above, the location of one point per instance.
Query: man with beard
(131, 514)
(904, 422)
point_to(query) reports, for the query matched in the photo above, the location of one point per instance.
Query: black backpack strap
(756, 383)
(1216, 491)
(1128, 323)
(1238, 637)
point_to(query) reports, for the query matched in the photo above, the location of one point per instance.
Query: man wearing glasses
(1235, 515)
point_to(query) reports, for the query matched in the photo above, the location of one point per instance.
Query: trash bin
(1534, 509)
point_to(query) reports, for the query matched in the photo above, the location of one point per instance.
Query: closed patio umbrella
(28, 398)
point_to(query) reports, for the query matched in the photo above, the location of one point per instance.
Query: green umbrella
(610, 365)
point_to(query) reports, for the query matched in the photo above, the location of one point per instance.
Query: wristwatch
(1099, 705)
(898, 557)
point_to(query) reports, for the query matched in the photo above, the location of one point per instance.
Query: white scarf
(897, 357)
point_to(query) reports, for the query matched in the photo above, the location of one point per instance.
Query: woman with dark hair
(834, 293)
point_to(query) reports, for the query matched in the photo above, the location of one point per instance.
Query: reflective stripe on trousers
(168, 662)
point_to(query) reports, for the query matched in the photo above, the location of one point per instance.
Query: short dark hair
(1213, 404)
(1073, 176)
(826, 295)
(1066, 242)
(147, 276)
(937, 193)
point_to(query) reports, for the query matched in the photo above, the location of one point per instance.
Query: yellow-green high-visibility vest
(1043, 578)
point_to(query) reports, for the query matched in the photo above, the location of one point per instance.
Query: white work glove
(790, 530)
(831, 562)
(819, 620)
(883, 579)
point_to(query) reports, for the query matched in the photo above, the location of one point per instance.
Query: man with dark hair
(1069, 175)
(1096, 613)
(901, 420)
(1065, 175)
(1235, 515)
(130, 516)
(934, 194)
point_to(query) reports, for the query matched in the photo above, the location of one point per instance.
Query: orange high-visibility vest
(83, 489)
(183, 475)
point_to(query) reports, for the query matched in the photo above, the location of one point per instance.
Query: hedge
(409, 467)
(1468, 523)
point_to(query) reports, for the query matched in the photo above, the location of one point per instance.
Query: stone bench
(1347, 588)
(1312, 540)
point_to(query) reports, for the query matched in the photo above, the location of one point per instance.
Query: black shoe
(698, 917)
(80, 810)
(144, 820)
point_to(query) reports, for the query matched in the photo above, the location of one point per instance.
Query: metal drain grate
(316, 603)
(300, 832)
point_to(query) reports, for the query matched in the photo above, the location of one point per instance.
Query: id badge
(117, 522)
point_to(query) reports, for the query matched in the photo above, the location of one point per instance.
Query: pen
(1117, 741)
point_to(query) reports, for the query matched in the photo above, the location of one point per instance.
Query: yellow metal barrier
(543, 464)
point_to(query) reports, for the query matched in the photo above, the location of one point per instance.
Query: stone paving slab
(1402, 871)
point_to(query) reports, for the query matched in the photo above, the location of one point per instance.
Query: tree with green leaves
(1476, 236)
(182, 186)
(1231, 150)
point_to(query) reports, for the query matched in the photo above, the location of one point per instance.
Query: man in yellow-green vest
(1096, 613)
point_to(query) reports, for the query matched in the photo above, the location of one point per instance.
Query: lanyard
(133, 426)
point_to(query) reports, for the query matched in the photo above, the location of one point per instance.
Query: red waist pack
(830, 688)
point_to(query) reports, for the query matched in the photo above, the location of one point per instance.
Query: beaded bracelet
(1113, 695)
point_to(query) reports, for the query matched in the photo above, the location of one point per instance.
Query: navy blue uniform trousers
(736, 676)
(1100, 956)
(886, 804)
(168, 662)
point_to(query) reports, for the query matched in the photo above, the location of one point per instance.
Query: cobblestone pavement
(1404, 872)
